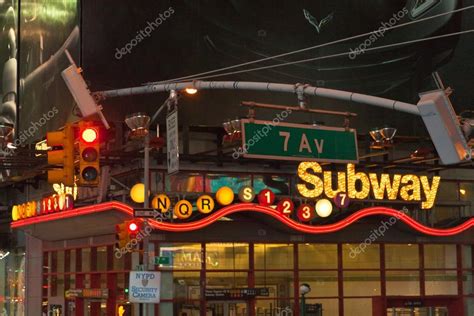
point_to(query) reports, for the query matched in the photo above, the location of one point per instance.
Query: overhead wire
(324, 57)
(199, 75)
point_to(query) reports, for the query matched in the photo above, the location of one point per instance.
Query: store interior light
(462, 191)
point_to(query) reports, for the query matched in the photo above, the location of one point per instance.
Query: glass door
(227, 308)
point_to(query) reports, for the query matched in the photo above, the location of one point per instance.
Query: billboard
(48, 28)
(8, 65)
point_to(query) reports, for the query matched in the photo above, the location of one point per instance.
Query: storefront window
(441, 282)
(228, 256)
(404, 256)
(216, 181)
(278, 184)
(60, 261)
(183, 308)
(86, 259)
(12, 282)
(72, 260)
(185, 182)
(322, 283)
(274, 256)
(182, 256)
(60, 284)
(469, 306)
(467, 257)
(361, 256)
(361, 283)
(273, 307)
(317, 256)
(329, 306)
(279, 283)
(119, 262)
(466, 194)
(468, 283)
(360, 306)
(440, 257)
(186, 285)
(101, 258)
(227, 280)
(403, 283)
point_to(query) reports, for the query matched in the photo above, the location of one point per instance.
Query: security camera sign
(144, 287)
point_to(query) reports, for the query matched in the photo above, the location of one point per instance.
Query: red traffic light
(89, 135)
(132, 227)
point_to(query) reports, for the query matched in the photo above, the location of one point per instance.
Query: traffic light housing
(126, 232)
(63, 157)
(89, 154)
(122, 236)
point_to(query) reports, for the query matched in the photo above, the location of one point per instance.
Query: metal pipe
(266, 86)
(294, 108)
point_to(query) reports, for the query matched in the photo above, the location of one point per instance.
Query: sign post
(287, 141)
(172, 142)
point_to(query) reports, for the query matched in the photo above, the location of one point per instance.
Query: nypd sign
(144, 287)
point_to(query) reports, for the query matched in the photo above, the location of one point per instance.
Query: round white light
(324, 208)
(305, 289)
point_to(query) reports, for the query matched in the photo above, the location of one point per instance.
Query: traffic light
(134, 227)
(89, 154)
(126, 232)
(63, 157)
(122, 236)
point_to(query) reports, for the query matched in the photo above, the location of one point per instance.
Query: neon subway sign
(360, 185)
(63, 200)
(315, 183)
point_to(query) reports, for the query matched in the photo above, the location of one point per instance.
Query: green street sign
(162, 260)
(287, 141)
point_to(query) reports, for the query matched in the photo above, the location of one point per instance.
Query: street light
(304, 289)
(191, 90)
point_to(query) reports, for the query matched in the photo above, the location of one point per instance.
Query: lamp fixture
(6, 131)
(233, 128)
(191, 90)
(138, 123)
(382, 137)
(305, 288)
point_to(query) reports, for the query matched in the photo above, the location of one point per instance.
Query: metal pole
(303, 305)
(146, 167)
(146, 179)
(295, 89)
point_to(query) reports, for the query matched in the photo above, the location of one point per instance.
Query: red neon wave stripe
(235, 208)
